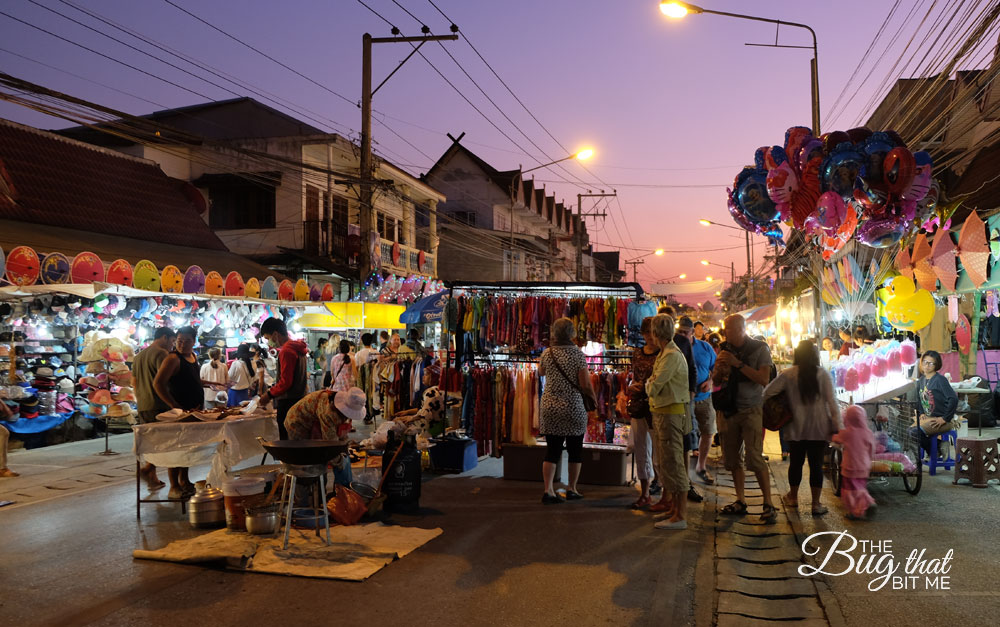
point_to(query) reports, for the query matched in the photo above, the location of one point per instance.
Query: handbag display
(589, 402)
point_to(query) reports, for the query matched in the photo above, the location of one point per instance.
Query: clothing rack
(564, 289)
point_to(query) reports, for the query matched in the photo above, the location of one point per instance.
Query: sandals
(705, 477)
(789, 501)
(769, 513)
(641, 502)
(737, 508)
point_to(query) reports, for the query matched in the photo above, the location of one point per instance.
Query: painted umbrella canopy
(87, 268)
(214, 284)
(315, 292)
(301, 290)
(194, 280)
(252, 287)
(120, 273)
(55, 269)
(327, 294)
(973, 249)
(943, 260)
(147, 276)
(23, 266)
(234, 284)
(171, 280)
(269, 289)
(286, 291)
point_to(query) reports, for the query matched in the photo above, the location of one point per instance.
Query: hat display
(95, 382)
(66, 386)
(351, 403)
(121, 378)
(119, 410)
(94, 410)
(125, 394)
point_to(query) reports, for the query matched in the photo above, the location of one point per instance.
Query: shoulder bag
(588, 401)
(776, 412)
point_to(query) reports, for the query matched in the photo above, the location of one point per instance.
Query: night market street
(503, 559)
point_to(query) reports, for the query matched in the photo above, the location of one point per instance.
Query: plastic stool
(933, 462)
(978, 460)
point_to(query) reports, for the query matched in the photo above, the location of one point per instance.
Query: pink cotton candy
(851, 379)
(895, 361)
(864, 371)
(880, 367)
(908, 353)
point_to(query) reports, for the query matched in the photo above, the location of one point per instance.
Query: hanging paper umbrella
(252, 288)
(858, 278)
(234, 284)
(943, 260)
(119, 273)
(301, 290)
(963, 334)
(194, 280)
(171, 279)
(904, 264)
(269, 289)
(87, 268)
(214, 284)
(55, 269)
(22, 266)
(922, 269)
(327, 294)
(315, 292)
(286, 291)
(973, 250)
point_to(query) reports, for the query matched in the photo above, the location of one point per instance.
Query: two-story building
(285, 193)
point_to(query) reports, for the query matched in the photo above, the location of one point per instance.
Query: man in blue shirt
(704, 413)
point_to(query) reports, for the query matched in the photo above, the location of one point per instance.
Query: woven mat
(355, 552)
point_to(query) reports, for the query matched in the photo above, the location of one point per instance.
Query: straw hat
(119, 410)
(100, 397)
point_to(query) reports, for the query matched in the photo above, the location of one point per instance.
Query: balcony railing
(409, 260)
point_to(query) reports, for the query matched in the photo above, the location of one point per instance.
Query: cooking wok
(304, 452)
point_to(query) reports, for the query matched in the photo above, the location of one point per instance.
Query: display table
(223, 443)
(877, 395)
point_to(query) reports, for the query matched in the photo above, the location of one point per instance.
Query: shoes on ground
(676, 525)
(693, 495)
(655, 488)
(705, 477)
(573, 496)
(548, 499)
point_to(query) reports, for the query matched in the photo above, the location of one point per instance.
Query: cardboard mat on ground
(355, 553)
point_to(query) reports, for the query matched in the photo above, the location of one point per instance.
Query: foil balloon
(831, 211)
(859, 134)
(899, 168)
(752, 199)
(812, 149)
(909, 309)
(881, 232)
(782, 183)
(834, 139)
(737, 215)
(871, 200)
(840, 170)
(921, 182)
(876, 147)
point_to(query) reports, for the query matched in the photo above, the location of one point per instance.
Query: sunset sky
(673, 108)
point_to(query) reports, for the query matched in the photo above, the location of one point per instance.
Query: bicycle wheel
(835, 479)
(913, 482)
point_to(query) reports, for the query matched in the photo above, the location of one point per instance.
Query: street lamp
(705, 222)
(676, 9)
(732, 268)
(636, 261)
(581, 155)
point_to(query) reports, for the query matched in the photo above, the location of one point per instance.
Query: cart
(896, 422)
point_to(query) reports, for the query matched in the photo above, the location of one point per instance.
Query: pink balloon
(782, 183)
(830, 212)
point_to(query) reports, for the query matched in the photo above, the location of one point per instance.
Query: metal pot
(262, 523)
(206, 508)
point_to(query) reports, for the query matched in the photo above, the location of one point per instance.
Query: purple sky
(673, 107)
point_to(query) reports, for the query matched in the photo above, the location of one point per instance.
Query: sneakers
(677, 525)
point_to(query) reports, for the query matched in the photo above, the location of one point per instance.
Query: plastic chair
(948, 462)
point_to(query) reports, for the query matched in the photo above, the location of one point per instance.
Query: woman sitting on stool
(938, 401)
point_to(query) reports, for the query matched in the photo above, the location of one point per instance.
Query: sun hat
(351, 403)
(100, 397)
(119, 410)
(66, 386)
(125, 394)
(95, 382)
(94, 410)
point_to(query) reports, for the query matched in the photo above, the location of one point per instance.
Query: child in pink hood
(858, 443)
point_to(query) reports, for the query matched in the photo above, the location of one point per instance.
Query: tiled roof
(66, 183)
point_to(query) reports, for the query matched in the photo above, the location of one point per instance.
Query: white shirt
(239, 376)
(215, 375)
(365, 355)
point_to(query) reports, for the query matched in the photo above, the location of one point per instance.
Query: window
(465, 217)
(239, 203)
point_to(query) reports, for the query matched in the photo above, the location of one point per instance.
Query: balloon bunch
(861, 184)
(397, 289)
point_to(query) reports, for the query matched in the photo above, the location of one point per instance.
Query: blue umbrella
(427, 309)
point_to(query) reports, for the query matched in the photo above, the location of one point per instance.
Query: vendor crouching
(327, 415)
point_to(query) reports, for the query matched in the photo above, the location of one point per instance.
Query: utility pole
(634, 264)
(578, 228)
(367, 174)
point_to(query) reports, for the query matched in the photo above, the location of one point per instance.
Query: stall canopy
(427, 309)
(352, 315)
(758, 314)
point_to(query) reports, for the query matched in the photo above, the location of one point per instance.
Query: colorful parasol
(943, 259)
(55, 269)
(171, 279)
(973, 249)
(87, 268)
(252, 288)
(920, 258)
(301, 291)
(214, 284)
(194, 280)
(904, 264)
(269, 289)
(327, 294)
(286, 291)
(147, 276)
(234, 284)
(22, 266)
(963, 334)
(120, 273)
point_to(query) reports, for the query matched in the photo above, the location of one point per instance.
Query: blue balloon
(841, 169)
(752, 199)
(876, 147)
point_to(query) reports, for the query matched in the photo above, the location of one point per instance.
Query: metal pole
(366, 157)
(814, 75)
(577, 236)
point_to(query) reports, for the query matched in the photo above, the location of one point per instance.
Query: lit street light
(636, 261)
(705, 222)
(732, 268)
